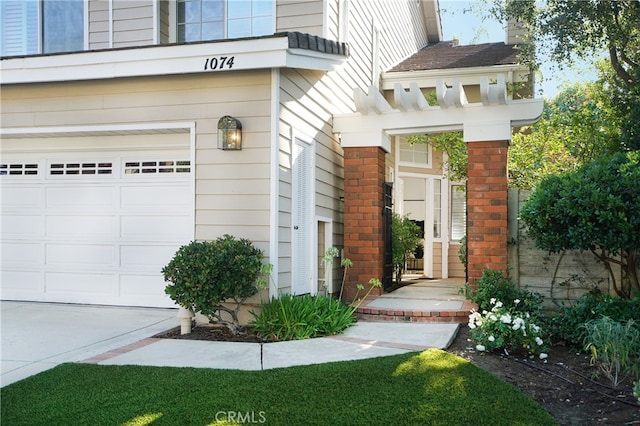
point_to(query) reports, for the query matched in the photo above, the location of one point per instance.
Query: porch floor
(421, 300)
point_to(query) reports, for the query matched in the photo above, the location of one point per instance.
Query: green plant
(636, 390)
(327, 260)
(204, 274)
(567, 323)
(406, 236)
(357, 301)
(346, 263)
(595, 208)
(494, 285)
(462, 253)
(614, 346)
(506, 328)
(291, 317)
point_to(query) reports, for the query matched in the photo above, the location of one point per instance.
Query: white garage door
(93, 220)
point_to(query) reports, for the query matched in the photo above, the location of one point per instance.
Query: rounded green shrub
(594, 208)
(203, 274)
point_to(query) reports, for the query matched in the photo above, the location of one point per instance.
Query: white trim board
(247, 54)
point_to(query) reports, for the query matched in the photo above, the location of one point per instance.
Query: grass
(427, 388)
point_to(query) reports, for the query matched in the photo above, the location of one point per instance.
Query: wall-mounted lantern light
(229, 134)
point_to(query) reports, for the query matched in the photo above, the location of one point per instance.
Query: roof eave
(431, 15)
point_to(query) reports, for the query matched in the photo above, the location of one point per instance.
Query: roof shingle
(447, 55)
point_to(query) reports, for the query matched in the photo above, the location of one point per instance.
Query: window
(77, 168)
(458, 213)
(145, 167)
(200, 20)
(417, 153)
(20, 169)
(41, 26)
(437, 208)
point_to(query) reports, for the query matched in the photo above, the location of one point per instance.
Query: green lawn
(427, 388)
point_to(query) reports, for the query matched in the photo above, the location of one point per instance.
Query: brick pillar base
(363, 222)
(486, 208)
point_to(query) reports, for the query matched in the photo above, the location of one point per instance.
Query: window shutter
(19, 27)
(458, 214)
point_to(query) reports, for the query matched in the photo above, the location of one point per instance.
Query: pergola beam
(478, 122)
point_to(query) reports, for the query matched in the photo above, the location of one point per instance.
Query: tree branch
(607, 264)
(622, 74)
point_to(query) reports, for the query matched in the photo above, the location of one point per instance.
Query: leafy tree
(565, 29)
(577, 126)
(406, 236)
(595, 208)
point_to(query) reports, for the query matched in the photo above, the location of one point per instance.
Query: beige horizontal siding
(132, 23)
(99, 24)
(456, 268)
(300, 15)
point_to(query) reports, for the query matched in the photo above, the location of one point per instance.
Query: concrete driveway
(38, 336)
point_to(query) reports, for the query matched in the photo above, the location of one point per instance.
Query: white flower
(538, 341)
(480, 348)
(506, 319)
(499, 304)
(492, 301)
(518, 323)
(493, 317)
(492, 339)
(516, 301)
(543, 356)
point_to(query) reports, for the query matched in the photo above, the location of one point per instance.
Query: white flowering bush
(506, 328)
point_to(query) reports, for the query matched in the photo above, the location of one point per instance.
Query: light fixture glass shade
(229, 134)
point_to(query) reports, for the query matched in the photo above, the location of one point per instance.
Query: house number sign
(218, 63)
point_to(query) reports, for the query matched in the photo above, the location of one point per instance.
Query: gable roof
(448, 55)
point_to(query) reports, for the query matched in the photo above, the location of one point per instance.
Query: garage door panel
(17, 283)
(15, 225)
(167, 198)
(85, 198)
(81, 255)
(21, 197)
(136, 284)
(22, 254)
(146, 257)
(82, 226)
(81, 284)
(155, 228)
(144, 290)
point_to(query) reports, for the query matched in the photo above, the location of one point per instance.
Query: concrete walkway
(39, 336)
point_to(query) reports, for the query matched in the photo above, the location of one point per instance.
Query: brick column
(364, 176)
(486, 208)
